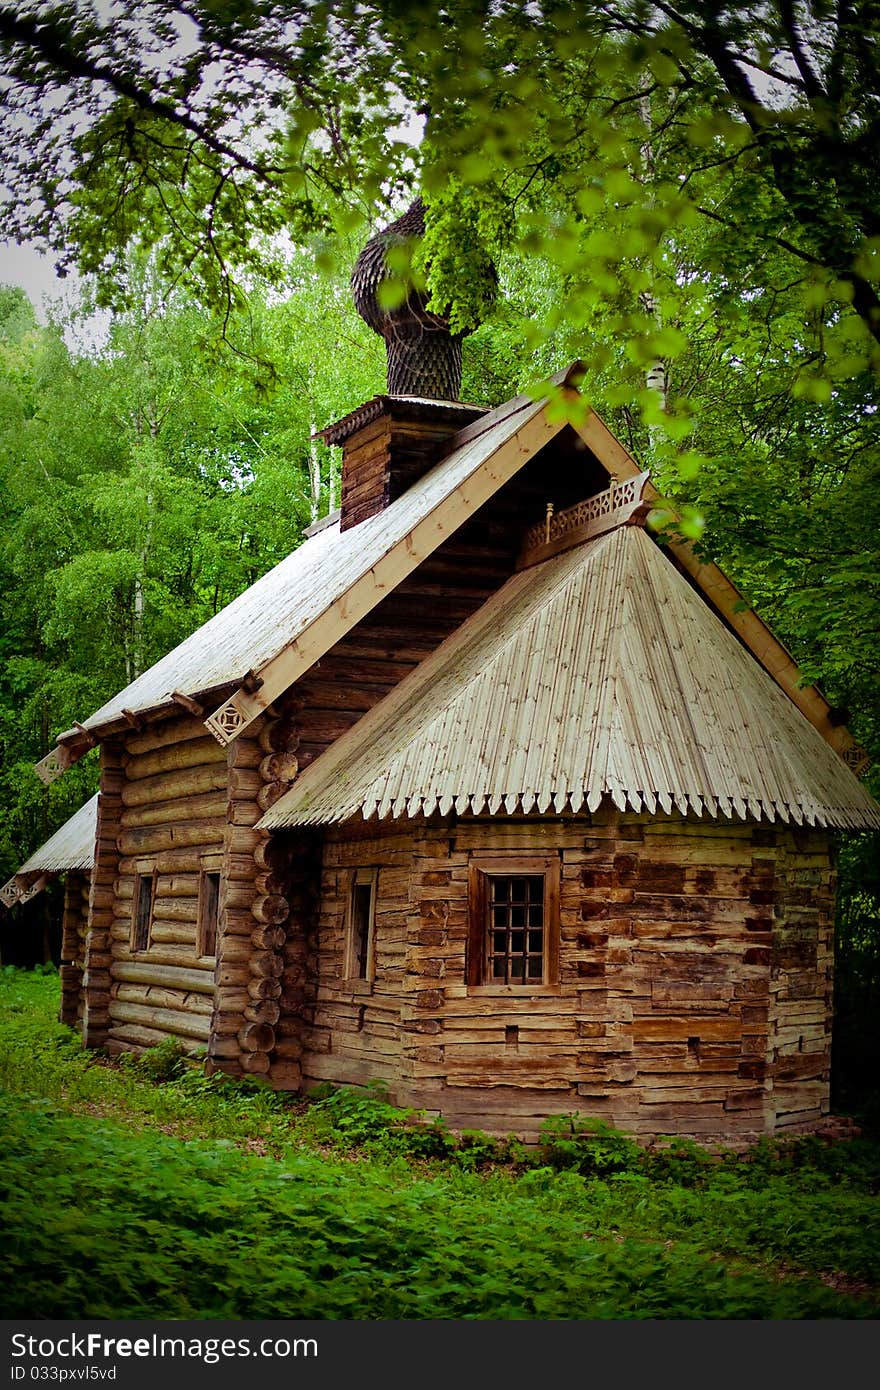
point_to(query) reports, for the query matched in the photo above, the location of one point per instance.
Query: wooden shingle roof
(273, 632)
(71, 847)
(600, 672)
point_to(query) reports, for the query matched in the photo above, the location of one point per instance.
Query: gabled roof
(268, 637)
(599, 672)
(285, 621)
(71, 847)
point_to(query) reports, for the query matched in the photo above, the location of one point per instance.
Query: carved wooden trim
(856, 759)
(226, 722)
(56, 762)
(619, 504)
(34, 888)
(10, 893)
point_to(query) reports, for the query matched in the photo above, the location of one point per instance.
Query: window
(209, 904)
(513, 937)
(142, 911)
(360, 944)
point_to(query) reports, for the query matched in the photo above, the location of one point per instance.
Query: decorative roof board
(599, 672)
(71, 847)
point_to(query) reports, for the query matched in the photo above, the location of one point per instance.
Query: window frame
(480, 869)
(353, 980)
(143, 875)
(206, 873)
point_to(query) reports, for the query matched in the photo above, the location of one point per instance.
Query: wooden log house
(483, 793)
(68, 854)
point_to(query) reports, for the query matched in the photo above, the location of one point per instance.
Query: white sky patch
(34, 272)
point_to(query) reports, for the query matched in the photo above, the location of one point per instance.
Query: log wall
(694, 988)
(171, 822)
(355, 1031)
(98, 956)
(73, 945)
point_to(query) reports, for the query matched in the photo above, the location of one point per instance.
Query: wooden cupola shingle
(393, 439)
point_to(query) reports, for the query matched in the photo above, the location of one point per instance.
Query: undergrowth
(147, 1189)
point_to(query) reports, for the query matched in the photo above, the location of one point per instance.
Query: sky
(34, 272)
(23, 266)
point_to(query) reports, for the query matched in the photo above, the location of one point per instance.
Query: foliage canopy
(597, 135)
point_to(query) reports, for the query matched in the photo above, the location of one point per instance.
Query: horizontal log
(270, 792)
(268, 852)
(208, 805)
(265, 1011)
(266, 963)
(170, 731)
(164, 953)
(255, 1063)
(244, 782)
(235, 1000)
(170, 786)
(287, 1076)
(174, 1021)
(256, 1037)
(196, 752)
(271, 884)
(246, 752)
(171, 976)
(167, 886)
(232, 975)
(155, 839)
(177, 933)
(279, 767)
(131, 1038)
(156, 997)
(185, 861)
(240, 895)
(236, 951)
(227, 1021)
(263, 987)
(243, 839)
(268, 938)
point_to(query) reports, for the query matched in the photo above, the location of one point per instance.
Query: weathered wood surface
(693, 993)
(172, 819)
(73, 945)
(99, 946)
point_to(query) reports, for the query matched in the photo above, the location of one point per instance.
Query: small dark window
(144, 890)
(360, 946)
(209, 903)
(515, 929)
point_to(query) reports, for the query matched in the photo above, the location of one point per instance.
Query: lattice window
(515, 928)
(513, 937)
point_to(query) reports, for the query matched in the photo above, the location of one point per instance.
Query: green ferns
(148, 1190)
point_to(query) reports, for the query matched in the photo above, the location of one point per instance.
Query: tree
(206, 130)
(144, 485)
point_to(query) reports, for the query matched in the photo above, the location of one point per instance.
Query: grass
(147, 1190)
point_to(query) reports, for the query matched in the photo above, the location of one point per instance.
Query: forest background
(685, 197)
